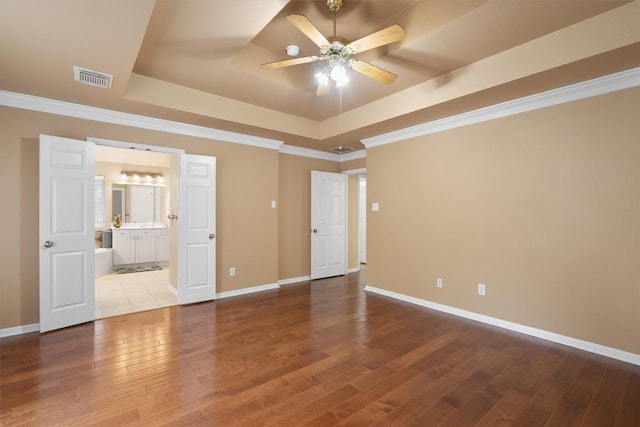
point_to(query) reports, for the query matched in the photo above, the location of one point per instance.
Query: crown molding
(360, 154)
(308, 152)
(322, 155)
(599, 86)
(79, 111)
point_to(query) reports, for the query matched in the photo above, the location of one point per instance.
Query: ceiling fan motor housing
(337, 49)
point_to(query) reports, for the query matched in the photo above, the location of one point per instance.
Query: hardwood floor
(320, 353)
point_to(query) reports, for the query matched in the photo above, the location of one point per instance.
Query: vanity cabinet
(142, 245)
(162, 245)
(123, 249)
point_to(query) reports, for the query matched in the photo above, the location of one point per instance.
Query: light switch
(273, 204)
(375, 206)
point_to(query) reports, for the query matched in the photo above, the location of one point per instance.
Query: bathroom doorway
(67, 203)
(132, 261)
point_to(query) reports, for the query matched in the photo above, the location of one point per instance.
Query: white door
(328, 224)
(67, 248)
(362, 220)
(197, 219)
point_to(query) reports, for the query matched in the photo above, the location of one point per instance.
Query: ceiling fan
(339, 52)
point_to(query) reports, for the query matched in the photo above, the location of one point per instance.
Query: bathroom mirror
(139, 203)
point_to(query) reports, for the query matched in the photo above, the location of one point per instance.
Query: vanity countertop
(138, 226)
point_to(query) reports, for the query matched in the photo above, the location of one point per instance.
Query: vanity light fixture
(137, 177)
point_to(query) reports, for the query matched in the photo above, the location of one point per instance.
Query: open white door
(197, 219)
(328, 224)
(67, 256)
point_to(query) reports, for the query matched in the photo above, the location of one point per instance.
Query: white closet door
(328, 224)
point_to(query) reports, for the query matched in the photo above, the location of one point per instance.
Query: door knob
(48, 244)
(212, 236)
(315, 230)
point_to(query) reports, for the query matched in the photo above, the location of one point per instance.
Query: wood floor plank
(319, 353)
(606, 402)
(629, 411)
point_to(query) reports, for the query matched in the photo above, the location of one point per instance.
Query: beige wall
(294, 223)
(353, 165)
(542, 207)
(247, 226)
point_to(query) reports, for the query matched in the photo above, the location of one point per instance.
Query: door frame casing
(358, 171)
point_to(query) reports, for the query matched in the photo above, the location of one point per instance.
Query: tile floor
(127, 293)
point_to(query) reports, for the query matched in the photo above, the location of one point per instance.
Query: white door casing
(362, 219)
(197, 219)
(328, 224)
(66, 230)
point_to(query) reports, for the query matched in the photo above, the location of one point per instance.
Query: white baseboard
(294, 280)
(353, 270)
(244, 291)
(18, 330)
(172, 289)
(591, 347)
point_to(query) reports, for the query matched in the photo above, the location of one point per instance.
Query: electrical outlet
(482, 289)
(232, 271)
(439, 282)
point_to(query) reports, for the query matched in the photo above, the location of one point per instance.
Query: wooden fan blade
(308, 29)
(391, 34)
(324, 88)
(289, 62)
(372, 71)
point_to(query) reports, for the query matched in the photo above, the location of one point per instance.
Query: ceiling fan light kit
(338, 51)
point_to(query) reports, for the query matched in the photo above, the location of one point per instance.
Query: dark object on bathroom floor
(139, 269)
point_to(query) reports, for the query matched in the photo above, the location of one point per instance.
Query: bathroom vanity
(136, 244)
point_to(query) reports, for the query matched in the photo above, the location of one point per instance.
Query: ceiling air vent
(92, 78)
(342, 150)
